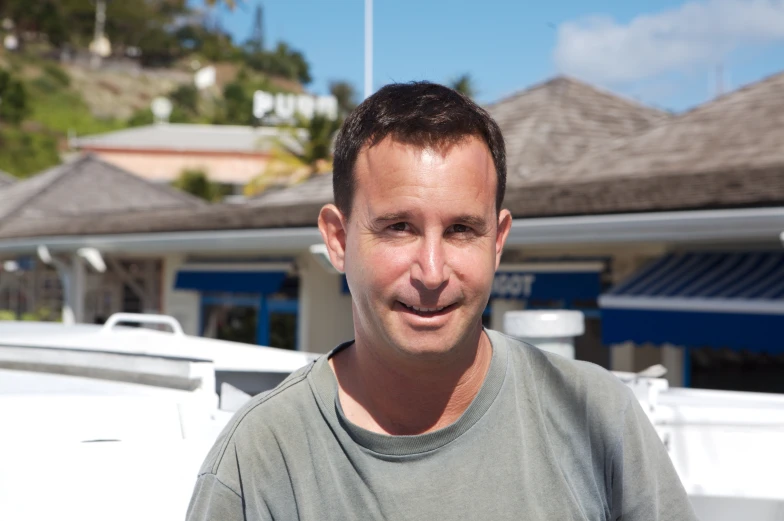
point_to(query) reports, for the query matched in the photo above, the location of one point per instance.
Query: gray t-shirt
(545, 438)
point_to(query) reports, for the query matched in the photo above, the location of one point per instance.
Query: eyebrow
(392, 216)
(472, 220)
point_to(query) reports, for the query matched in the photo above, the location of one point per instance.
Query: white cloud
(697, 33)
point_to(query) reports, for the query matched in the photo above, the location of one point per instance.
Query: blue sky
(664, 53)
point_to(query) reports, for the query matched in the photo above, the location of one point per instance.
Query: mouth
(427, 312)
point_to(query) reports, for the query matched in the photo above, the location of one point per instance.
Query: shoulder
(258, 419)
(562, 382)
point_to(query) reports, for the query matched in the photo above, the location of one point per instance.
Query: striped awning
(696, 299)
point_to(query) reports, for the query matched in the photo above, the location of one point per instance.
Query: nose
(430, 267)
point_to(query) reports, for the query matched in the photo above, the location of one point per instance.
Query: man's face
(422, 245)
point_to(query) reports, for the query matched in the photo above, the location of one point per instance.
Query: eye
(459, 228)
(399, 227)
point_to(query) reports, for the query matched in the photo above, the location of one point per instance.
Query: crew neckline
(325, 384)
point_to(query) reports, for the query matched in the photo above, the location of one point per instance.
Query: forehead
(393, 173)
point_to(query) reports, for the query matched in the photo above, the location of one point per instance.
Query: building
(657, 227)
(229, 155)
(88, 188)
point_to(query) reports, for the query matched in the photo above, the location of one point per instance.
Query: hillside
(70, 99)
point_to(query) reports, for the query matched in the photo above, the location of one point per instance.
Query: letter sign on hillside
(285, 106)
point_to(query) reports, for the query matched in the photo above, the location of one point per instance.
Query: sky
(664, 53)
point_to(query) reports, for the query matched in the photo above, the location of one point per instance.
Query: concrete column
(150, 303)
(672, 358)
(499, 307)
(622, 357)
(325, 317)
(185, 306)
(74, 281)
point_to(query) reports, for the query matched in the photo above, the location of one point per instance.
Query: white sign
(204, 78)
(10, 42)
(514, 285)
(285, 106)
(161, 108)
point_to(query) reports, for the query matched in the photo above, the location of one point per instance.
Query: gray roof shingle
(86, 186)
(317, 189)
(7, 179)
(727, 152)
(558, 121)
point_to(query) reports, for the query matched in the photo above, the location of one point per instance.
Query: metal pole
(368, 48)
(100, 24)
(100, 19)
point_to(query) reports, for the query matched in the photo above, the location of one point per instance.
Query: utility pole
(257, 37)
(100, 46)
(368, 48)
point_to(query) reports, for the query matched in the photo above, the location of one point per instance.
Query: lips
(427, 311)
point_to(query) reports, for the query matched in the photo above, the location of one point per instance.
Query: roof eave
(684, 227)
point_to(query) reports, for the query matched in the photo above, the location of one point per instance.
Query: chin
(426, 344)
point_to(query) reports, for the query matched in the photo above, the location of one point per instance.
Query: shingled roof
(86, 187)
(725, 153)
(7, 179)
(556, 122)
(317, 189)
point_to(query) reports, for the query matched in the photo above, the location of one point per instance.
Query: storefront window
(251, 319)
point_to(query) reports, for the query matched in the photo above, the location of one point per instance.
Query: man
(426, 415)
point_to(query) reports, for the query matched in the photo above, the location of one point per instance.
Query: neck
(389, 394)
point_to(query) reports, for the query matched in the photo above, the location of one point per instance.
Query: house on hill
(228, 154)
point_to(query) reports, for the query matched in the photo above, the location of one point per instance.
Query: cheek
(476, 263)
(380, 266)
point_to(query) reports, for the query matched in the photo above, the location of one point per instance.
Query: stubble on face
(422, 246)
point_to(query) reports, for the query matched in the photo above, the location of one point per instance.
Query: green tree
(196, 182)
(231, 4)
(26, 153)
(41, 16)
(281, 61)
(345, 94)
(237, 104)
(464, 84)
(14, 105)
(186, 97)
(307, 152)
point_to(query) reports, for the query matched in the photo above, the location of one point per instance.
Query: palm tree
(231, 4)
(345, 94)
(303, 152)
(464, 84)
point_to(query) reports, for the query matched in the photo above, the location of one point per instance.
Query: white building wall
(325, 318)
(182, 305)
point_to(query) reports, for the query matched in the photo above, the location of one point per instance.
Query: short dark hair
(418, 113)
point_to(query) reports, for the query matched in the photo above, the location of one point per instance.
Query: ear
(504, 225)
(332, 225)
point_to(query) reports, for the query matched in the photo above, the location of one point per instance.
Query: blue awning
(230, 279)
(708, 299)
